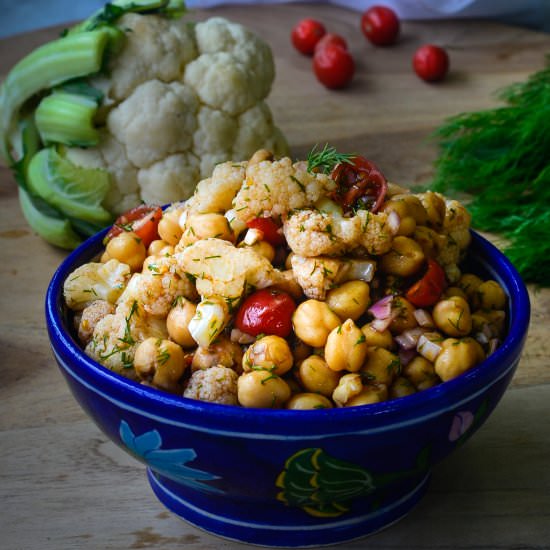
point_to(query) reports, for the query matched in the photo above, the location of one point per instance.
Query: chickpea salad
(281, 284)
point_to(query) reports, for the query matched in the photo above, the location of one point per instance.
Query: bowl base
(229, 522)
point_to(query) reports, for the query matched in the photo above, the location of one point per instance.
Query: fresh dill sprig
(326, 159)
(500, 158)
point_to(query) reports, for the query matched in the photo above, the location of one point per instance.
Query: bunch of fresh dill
(500, 158)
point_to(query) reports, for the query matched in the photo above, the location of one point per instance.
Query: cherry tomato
(331, 38)
(431, 63)
(427, 290)
(270, 228)
(266, 311)
(306, 34)
(333, 66)
(380, 25)
(142, 220)
(360, 185)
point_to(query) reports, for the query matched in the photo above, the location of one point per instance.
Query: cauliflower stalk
(134, 104)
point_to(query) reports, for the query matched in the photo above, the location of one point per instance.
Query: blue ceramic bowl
(290, 478)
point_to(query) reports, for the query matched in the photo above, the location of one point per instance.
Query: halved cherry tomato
(270, 228)
(360, 185)
(427, 291)
(143, 220)
(266, 311)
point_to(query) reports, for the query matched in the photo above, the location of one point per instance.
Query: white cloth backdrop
(22, 15)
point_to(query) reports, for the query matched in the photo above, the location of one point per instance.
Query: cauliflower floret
(174, 176)
(376, 233)
(155, 48)
(216, 132)
(328, 233)
(256, 126)
(313, 233)
(95, 281)
(155, 121)
(221, 269)
(216, 384)
(216, 194)
(91, 315)
(117, 336)
(275, 188)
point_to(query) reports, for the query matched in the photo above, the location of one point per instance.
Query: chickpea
(382, 366)
(177, 322)
(421, 373)
(104, 257)
(316, 376)
(160, 361)
(497, 319)
(455, 291)
(160, 248)
(263, 248)
(306, 401)
(348, 387)
(469, 283)
(415, 207)
(271, 353)
(401, 387)
(457, 356)
(259, 156)
(371, 393)
(435, 207)
(300, 350)
(405, 258)
(430, 241)
(312, 321)
(491, 295)
(407, 223)
(288, 260)
(452, 316)
(127, 248)
(349, 300)
(346, 347)
(262, 389)
(377, 339)
(169, 228)
(405, 318)
(221, 352)
(205, 226)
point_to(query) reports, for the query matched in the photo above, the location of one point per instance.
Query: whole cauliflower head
(179, 98)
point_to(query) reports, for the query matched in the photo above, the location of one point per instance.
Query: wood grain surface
(65, 486)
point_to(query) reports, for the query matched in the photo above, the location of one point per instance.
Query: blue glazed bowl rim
(464, 386)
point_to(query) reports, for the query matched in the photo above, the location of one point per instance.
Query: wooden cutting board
(66, 487)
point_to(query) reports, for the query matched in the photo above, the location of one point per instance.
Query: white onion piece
(482, 338)
(382, 308)
(428, 349)
(252, 236)
(362, 270)
(380, 325)
(423, 318)
(394, 222)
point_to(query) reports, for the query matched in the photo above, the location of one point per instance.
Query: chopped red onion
(493, 345)
(241, 337)
(481, 337)
(382, 308)
(423, 318)
(406, 356)
(409, 338)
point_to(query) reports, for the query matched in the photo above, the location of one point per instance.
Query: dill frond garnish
(500, 158)
(326, 159)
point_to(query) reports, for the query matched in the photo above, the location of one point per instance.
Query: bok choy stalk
(44, 104)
